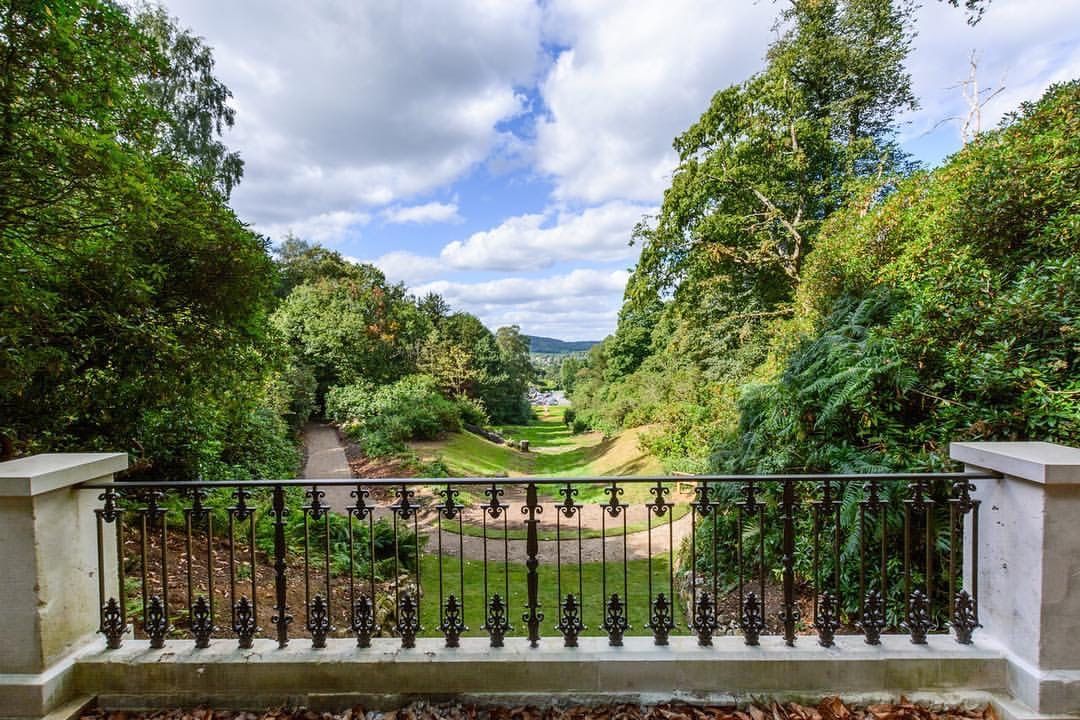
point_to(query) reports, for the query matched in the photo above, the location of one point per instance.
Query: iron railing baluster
(702, 606)
(533, 617)
(281, 618)
(113, 622)
(789, 611)
(362, 615)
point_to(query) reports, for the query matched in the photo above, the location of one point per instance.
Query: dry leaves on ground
(831, 708)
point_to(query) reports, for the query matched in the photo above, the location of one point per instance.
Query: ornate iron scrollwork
(245, 623)
(110, 511)
(615, 622)
(659, 506)
(568, 507)
(315, 508)
(452, 625)
(918, 620)
(570, 624)
(827, 621)
(962, 490)
(318, 623)
(494, 506)
(360, 509)
(660, 620)
(705, 619)
(497, 623)
(241, 510)
(408, 621)
(112, 624)
(873, 617)
(405, 508)
(613, 506)
(450, 507)
(751, 619)
(202, 622)
(918, 497)
(363, 621)
(702, 501)
(156, 622)
(748, 500)
(964, 621)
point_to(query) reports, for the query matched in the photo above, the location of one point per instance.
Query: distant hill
(551, 346)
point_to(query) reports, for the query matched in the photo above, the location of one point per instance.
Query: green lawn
(474, 593)
(567, 533)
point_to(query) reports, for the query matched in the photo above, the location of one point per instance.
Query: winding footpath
(326, 460)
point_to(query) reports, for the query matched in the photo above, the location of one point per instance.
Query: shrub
(382, 419)
(471, 410)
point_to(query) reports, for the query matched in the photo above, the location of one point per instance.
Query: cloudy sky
(500, 151)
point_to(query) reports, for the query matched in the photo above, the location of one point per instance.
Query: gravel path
(326, 460)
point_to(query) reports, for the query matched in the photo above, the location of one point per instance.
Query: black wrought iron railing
(789, 555)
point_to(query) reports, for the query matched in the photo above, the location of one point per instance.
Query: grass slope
(592, 581)
(554, 451)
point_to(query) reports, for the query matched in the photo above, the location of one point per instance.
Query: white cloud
(582, 304)
(342, 105)
(538, 240)
(326, 229)
(1022, 45)
(637, 74)
(432, 212)
(407, 267)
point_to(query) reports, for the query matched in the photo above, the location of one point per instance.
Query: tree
(766, 164)
(774, 156)
(299, 262)
(195, 103)
(352, 328)
(946, 312)
(131, 292)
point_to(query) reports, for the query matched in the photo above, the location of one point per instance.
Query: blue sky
(500, 151)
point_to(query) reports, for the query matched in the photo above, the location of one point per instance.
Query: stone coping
(227, 676)
(1039, 462)
(39, 474)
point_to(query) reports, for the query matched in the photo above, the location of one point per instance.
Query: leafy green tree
(352, 328)
(299, 262)
(763, 168)
(131, 292)
(946, 312)
(195, 103)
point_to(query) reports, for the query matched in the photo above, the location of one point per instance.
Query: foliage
(467, 360)
(300, 262)
(759, 172)
(945, 311)
(952, 313)
(352, 328)
(134, 301)
(382, 418)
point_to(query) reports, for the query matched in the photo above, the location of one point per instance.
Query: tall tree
(129, 288)
(766, 163)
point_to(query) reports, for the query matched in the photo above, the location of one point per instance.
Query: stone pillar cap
(1039, 462)
(38, 474)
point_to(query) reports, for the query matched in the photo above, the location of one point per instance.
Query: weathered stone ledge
(222, 675)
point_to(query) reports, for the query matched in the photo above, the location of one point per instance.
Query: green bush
(471, 410)
(383, 418)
